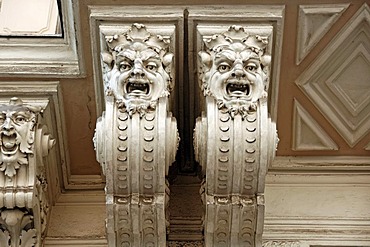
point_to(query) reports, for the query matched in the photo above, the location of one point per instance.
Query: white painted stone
(24, 203)
(136, 139)
(203, 22)
(166, 21)
(45, 95)
(234, 139)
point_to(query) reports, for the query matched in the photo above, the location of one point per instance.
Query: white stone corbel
(24, 203)
(234, 140)
(136, 138)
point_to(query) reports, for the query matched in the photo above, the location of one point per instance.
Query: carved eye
(20, 119)
(151, 66)
(124, 66)
(223, 68)
(251, 67)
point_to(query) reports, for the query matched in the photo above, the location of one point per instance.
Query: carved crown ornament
(24, 142)
(234, 69)
(137, 69)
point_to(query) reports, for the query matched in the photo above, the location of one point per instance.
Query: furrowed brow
(228, 54)
(129, 54)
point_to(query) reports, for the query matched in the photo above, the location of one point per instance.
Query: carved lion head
(232, 69)
(17, 128)
(138, 67)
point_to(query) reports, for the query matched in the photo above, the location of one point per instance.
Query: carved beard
(139, 95)
(253, 90)
(139, 106)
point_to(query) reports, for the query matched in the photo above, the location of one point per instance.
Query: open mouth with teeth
(238, 89)
(8, 144)
(138, 88)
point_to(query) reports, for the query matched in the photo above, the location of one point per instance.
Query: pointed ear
(107, 58)
(205, 59)
(266, 60)
(167, 59)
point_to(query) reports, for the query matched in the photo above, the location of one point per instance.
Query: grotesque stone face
(231, 70)
(138, 73)
(16, 135)
(138, 67)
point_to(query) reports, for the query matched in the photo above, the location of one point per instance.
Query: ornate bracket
(23, 197)
(136, 138)
(235, 140)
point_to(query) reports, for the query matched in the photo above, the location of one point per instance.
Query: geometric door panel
(338, 81)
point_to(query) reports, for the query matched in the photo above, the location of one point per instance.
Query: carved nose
(238, 73)
(138, 70)
(7, 125)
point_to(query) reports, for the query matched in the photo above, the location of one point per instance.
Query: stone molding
(321, 163)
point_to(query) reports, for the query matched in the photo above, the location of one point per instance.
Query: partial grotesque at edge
(24, 205)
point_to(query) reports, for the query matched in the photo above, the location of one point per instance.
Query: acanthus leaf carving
(4, 237)
(28, 238)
